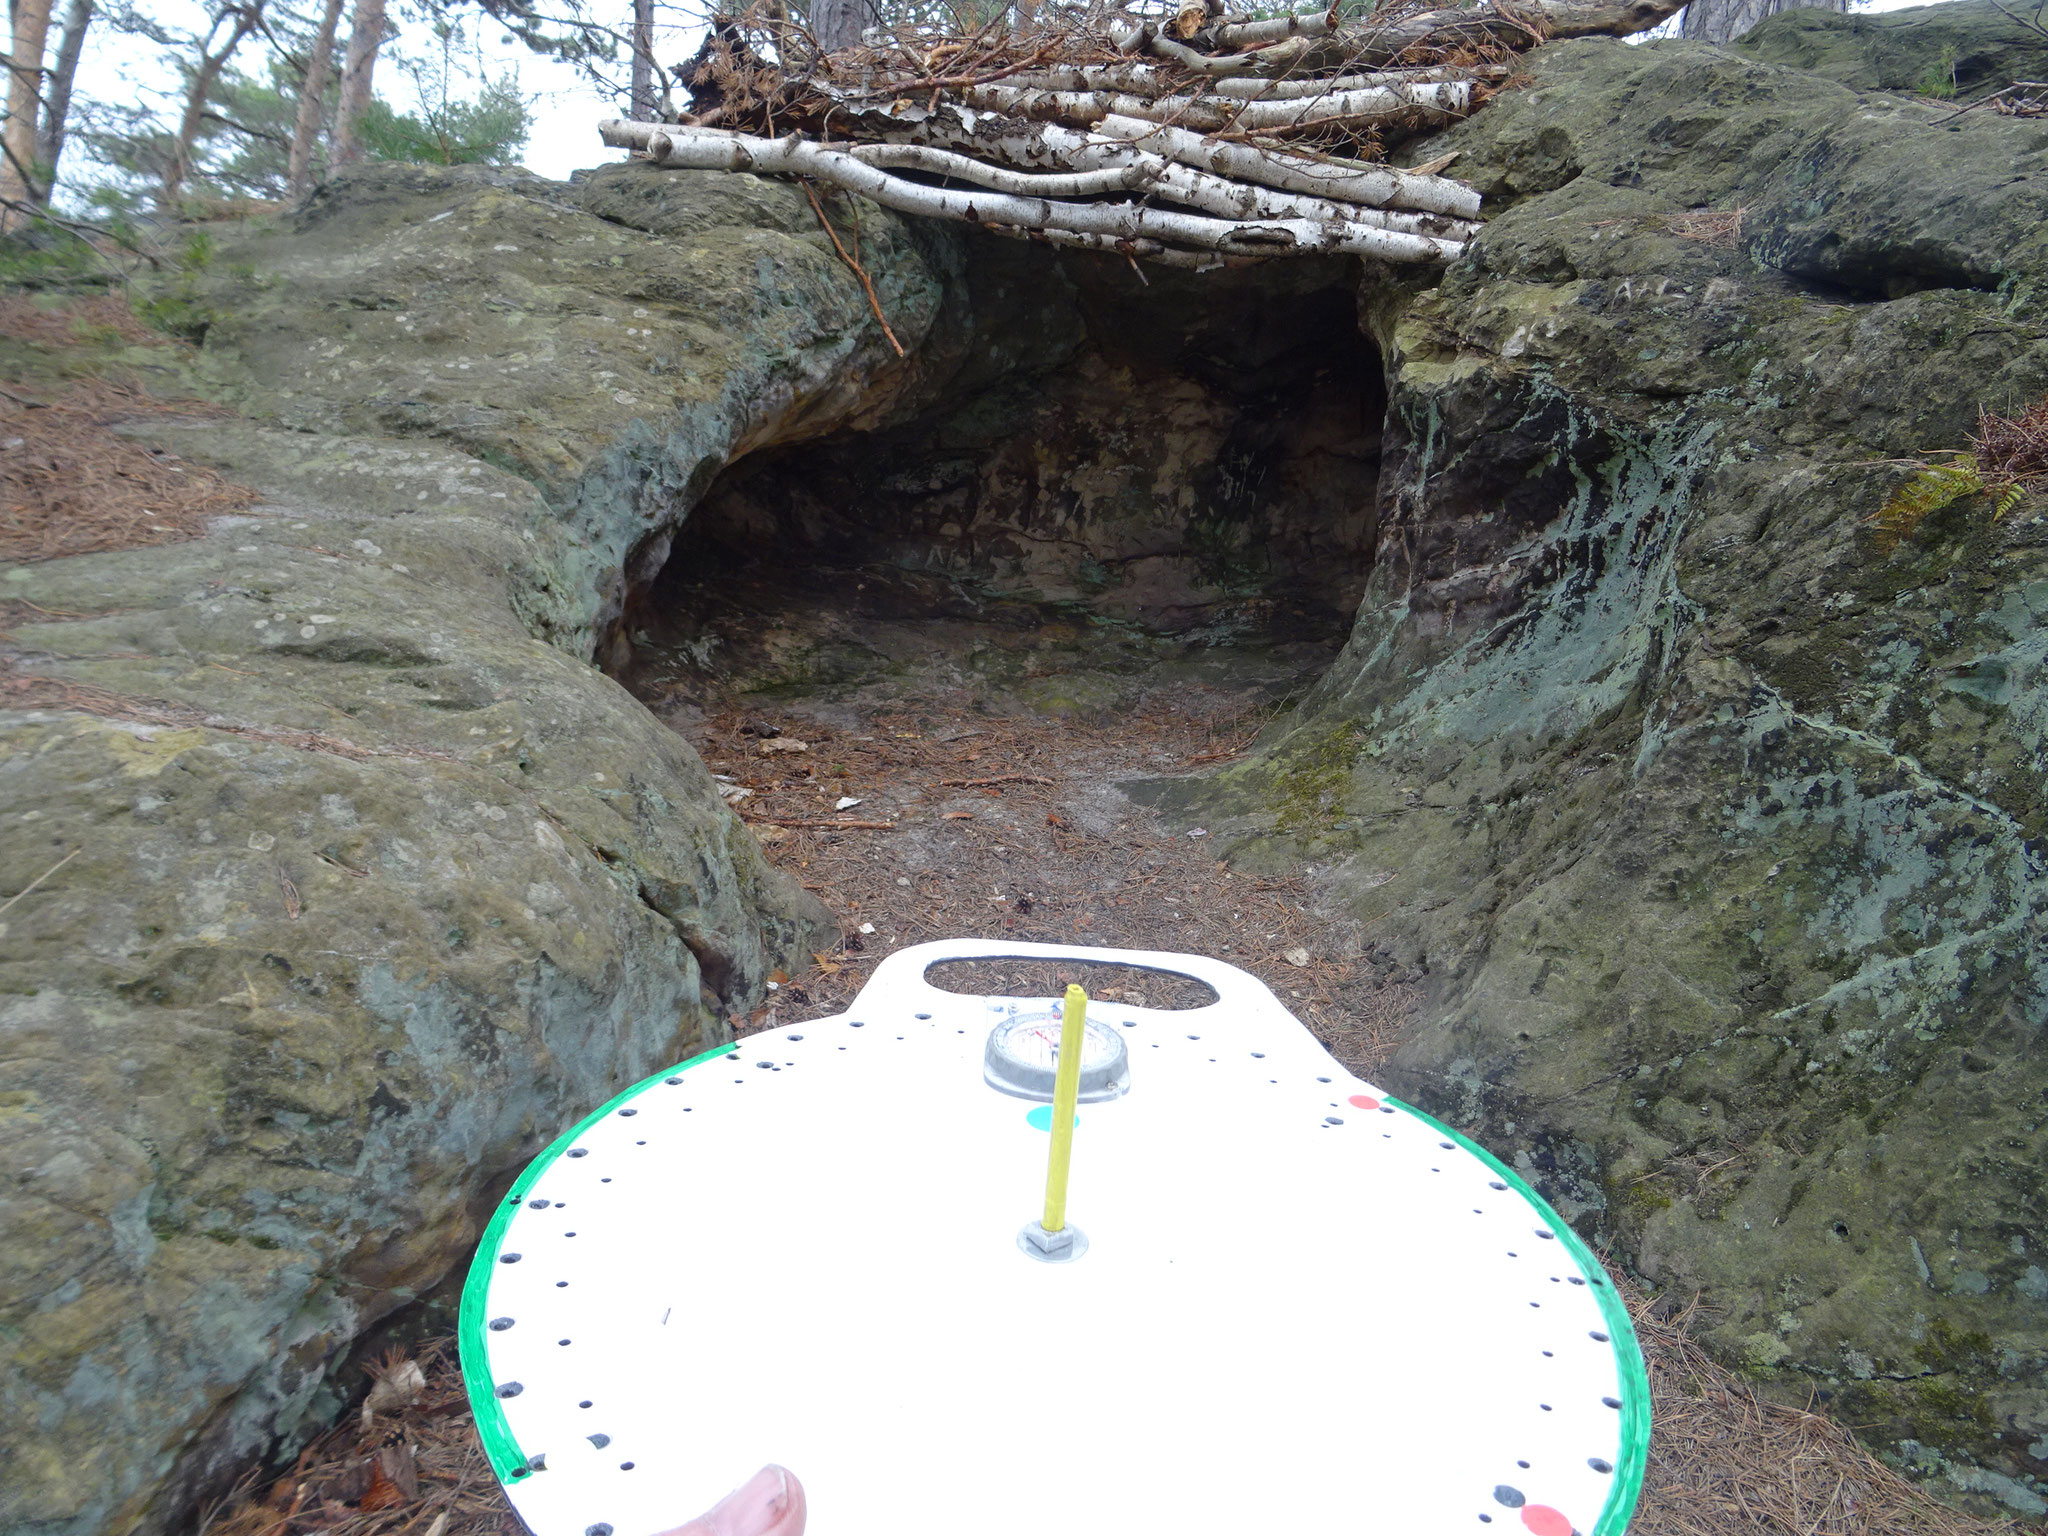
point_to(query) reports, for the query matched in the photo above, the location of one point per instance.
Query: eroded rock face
(1713, 827)
(377, 890)
(1166, 451)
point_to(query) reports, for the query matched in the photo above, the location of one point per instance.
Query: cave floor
(980, 748)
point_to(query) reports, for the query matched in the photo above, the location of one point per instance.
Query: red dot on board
(1365, 1101)
(1545, 1521)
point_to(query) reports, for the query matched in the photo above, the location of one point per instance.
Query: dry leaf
(1295, 956)
(400, 1383)
(778, 978)
(775, 744)
(1188, 21)
(959, 816)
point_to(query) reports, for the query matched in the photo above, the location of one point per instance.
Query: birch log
(714, 149)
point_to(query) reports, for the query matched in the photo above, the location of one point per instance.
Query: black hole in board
(600, 1529)
(604, 1181)
(538, 1205)
(500, 1324)
(739, 1082)
(1597, 1336)
(1598, 1464)
(1194, 1037)
(764, 1063)
(1486, 1519)
(600, 1441)
(855, 1024)
(1445, 1145)
(796, 1037)
(1544, 1406)
(1386, 1111)
(579, 1151)
(508, 1258)
(518, 1472)
(509, 1389)
(1548, 1237)
(561, 1285)
(1510, 1496)
(1523, 1465)
(1512, 1254)
(568, 1234)
(1596, 1282)
(1611, 1402)
(1548, 1355)
(563, 1342)
(1495, 1184)
(1575, 1280)
(673, 1082)
(625, 1466)
(584, 1404)
(1258, 1055)
(629, 1113)
(1322, 1079)
(1332, 1120)
(923, 1015)
(1535, 1303)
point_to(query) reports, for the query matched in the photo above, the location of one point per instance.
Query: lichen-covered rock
(1714, 827)
(373, 889)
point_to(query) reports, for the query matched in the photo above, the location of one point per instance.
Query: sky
(565, 106)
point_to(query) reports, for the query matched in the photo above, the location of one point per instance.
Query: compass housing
(1022, 1058)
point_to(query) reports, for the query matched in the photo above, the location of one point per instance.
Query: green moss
(1312, 777)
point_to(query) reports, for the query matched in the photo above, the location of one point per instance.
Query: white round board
(1304, 1305)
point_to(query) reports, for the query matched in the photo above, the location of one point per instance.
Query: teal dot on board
(1040, 1119)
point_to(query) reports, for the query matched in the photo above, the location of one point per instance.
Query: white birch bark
(712, 149)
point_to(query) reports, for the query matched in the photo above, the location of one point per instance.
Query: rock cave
(1517, 631)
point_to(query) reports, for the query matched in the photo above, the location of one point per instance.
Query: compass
(1023, 1058)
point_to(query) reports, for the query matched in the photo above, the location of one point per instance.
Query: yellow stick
(1065, 1089)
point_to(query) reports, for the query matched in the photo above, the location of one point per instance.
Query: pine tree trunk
(837, 24)
(366, 36)
(57, 96)
(643, 60)
(19, 180)
(312, 103)
(1722, 21)
(201, 91)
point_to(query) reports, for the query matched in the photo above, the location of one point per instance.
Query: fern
(1929, 490)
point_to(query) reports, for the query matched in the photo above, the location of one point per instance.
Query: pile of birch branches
(1192, 138)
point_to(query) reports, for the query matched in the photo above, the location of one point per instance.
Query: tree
(1722, 21)
(366, 36)
(643, 60)
(227, 26)
(20, 185)
(490, 129)
(839, 23)
(57, 95)
(312, 101)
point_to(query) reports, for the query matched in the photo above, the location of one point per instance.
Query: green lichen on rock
(1713, 829)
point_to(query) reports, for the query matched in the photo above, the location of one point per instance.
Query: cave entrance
(1110, 484)
(1115, 533)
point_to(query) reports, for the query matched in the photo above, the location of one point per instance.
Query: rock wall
(378, 883)
(1160, 450)
(1714, 828)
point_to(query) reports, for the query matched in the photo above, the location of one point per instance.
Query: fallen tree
(1195, 137)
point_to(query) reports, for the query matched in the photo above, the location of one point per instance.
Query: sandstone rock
(401, 889)
(1718, 828)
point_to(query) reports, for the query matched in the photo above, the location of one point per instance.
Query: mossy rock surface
(1713, 827)
(375, 890)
